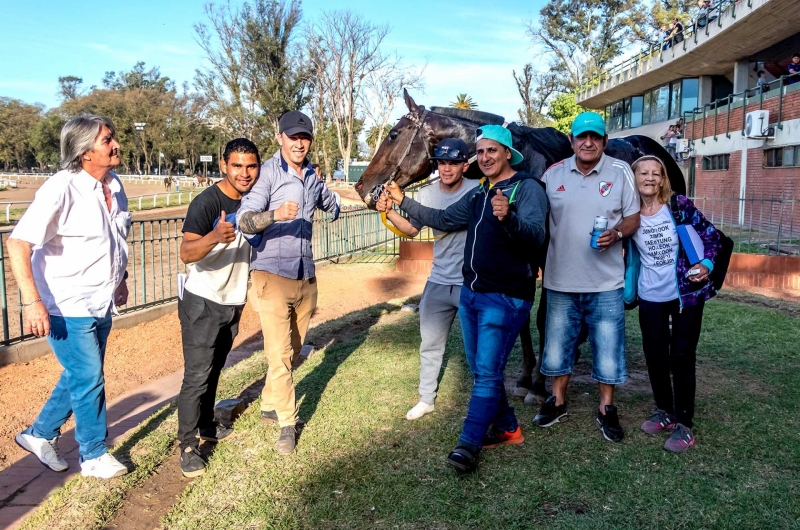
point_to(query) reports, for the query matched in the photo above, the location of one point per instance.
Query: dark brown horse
(403, 158)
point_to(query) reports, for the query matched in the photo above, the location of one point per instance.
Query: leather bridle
(419, 123)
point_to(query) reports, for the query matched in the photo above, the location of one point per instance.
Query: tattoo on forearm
(256, 222)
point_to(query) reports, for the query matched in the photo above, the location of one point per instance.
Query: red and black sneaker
(497, 437)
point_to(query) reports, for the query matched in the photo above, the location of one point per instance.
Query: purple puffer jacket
(684, 212)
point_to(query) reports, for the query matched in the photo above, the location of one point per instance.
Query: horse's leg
(525, 383)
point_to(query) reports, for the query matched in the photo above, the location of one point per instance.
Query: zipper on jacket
(475, 239)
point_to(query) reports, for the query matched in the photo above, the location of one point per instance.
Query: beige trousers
(285, 307)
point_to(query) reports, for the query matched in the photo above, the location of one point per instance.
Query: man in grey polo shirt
(584, 285)
(442, 293)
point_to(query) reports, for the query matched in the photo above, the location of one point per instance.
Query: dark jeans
(207, 330)
(490, 323)
(671, 354)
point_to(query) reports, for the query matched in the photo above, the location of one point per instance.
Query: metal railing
(757, 225)
(154, 259)
(780, 88)
(656, 50)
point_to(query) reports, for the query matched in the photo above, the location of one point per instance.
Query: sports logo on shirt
(605, 188)
(561, 188)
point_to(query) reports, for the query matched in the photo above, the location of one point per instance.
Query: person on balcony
(706, 13)
(676, 33)
(282, 205)
(69, 256)
(672, 288)
(442, 293)
(794, 69)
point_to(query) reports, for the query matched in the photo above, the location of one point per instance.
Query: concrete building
(730, 156)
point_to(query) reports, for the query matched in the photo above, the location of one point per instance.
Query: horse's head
(403, 154)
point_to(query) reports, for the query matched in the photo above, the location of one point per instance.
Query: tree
(563, 110)
(345, 53)
(45, 140)
(384, 88)
(69, 87)
(17, 120)
(256, 69)
(582, 37)
(464, 101)
(536, 89)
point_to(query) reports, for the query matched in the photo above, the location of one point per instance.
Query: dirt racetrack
(153, 349)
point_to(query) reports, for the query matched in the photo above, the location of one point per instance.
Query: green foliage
(464, 101)
(563, 110)
(44, 140)
(17, 121)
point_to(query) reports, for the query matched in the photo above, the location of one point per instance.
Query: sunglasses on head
(449, 154)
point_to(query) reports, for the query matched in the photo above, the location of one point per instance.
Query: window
(675, 100)
(647, 106)
(660, 109)
(636, 111)
(688, 97)
(782, 156)
(716, 162)
(626, 118)
(614, 114)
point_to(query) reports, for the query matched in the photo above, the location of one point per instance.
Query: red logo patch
(605, 188)
(561, 188)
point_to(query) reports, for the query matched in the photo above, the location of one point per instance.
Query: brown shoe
(287, 440)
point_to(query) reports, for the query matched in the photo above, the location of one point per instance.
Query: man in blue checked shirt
(283, 285)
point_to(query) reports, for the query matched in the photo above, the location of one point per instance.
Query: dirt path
(132, 361)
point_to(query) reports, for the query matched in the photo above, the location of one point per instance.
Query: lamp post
(139, 127)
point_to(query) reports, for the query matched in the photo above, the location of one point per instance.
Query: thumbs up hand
(224, 231)
(500, 206)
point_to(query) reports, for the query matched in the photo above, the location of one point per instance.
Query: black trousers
(207, 330)
(671, 356)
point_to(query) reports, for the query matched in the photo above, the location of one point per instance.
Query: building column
(741, 76)
(704, 90)
(743, 184)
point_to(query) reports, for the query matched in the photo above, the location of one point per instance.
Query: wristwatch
(619, 235)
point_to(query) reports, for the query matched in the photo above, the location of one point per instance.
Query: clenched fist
(384, 204)
(500, 206)
(395, 192)
(287, 211)
(224, 231)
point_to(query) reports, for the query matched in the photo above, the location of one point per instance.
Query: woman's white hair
(77, 137)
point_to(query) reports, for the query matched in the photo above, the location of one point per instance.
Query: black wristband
(125, 276)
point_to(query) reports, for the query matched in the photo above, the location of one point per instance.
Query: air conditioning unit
(756, 125)
(682, 146)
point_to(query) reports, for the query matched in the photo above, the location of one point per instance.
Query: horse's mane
(553, 145)
(477, 116)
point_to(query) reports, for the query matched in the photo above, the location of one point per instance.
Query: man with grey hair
(68, 254)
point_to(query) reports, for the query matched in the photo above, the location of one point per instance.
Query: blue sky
(468, 46)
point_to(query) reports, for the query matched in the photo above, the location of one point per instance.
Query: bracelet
(31, 303)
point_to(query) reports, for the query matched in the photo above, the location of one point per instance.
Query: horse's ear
(410, 103)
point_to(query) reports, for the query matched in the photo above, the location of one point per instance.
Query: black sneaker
(269, 416)
(463, 460)
(550, 413)
(287, 440)
(192, 464)
(215, 433)
(609, 424)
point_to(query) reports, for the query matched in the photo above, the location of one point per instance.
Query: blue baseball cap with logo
(451, 149)
(588, 122)
(501, 135)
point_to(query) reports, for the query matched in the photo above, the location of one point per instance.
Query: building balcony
(742, 28)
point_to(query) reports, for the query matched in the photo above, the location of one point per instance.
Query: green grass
(360, 464)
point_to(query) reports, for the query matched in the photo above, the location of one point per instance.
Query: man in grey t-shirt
(442, 293)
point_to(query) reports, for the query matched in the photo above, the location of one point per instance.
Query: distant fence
(154, 259)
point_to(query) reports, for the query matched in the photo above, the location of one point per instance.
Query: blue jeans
(490, 323)
(79, 344)
(603, 314)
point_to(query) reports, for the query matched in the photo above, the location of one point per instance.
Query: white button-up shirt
(80, 250)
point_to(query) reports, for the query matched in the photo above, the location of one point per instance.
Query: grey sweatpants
(437, 310)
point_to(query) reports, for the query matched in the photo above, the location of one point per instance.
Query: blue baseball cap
(501, 135)
(588, 122)
(451, 149)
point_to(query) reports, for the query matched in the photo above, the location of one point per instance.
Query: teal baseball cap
(588, 122)
(501, 135)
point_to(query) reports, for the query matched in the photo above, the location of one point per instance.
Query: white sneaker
(104, 466)
(419, 410)
(45, 450)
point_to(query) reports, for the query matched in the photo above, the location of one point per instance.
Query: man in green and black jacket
(505, 221)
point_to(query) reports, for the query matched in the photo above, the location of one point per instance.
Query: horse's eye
(393, 135)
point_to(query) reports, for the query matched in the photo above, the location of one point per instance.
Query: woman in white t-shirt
(671, 286)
